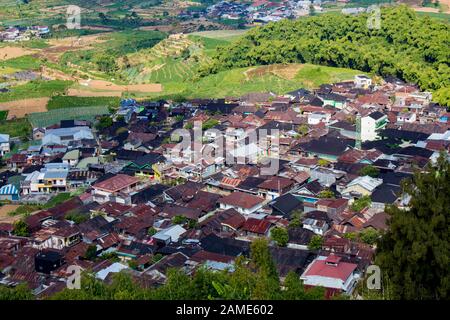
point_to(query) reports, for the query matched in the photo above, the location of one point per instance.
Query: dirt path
(13, 52)
(4, 210)
(102, 85)
(20, 108)
(88, 93)
(287, 71)
(59, 46)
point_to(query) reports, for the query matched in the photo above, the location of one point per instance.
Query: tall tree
(414, 253)
(21, 292)
(21, 229)
(262, 259)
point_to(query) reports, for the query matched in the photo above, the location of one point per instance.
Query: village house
(332, 273)
(66, 135)
(361, 186)
(51, 178)
(244, 203)
(4, 144)
(115, 189)
(371, 124)
(362, 81)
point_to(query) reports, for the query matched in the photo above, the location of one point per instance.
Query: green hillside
(408, 46)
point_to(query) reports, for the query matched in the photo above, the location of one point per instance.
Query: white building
(318, 117)
(361, 186)
(406, 117)
(242, 202)
(317, 226)
(171, 234)
(4, 144)
(362, 81)
(115, 189)
(51, 178)
(371, 123)
(66, 135)
(332, 274)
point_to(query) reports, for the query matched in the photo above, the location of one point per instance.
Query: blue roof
(9, 189)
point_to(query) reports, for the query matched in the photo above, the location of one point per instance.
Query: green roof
(72, 155)
(84, 163)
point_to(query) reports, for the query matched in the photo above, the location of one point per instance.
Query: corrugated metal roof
(9, 189)
(4, 138)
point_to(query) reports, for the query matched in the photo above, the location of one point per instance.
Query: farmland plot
(44, 119)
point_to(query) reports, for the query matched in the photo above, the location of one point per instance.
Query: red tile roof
(260, 226)
(354, 155)
(276, 183)
(436, 145)
(203, 255)
(6, 227)
(17, 157)
(230, 182)
(235, 221)
(241, 200)
(331, 268)
(307, 161)
(109, 240)
(143, 210)
(116, 183)
(75, 252)
(113, 208)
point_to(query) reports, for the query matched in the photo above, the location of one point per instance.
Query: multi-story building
(370, 125)
(115, 189)
(51, 178)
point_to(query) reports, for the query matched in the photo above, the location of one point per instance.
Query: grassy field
(59, 102)
(23, 63)
(35, 89)
(24, 210)
(44, 119)
(436, 15)
(3, 114)
(174, 62)
(312, 76)
(235, 83)
(225, 35)
(275, 78)
(16, 128)
(58, 199)
(116, 44)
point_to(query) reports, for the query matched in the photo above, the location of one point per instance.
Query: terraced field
(172, 60)
(44, 119)
(274, 78)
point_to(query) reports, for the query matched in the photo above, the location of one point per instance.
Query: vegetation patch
(16, 128)
(58, 199)
(408, 46)
(45, 119)
(3, 114)
(35, 89)
(59, 102)
(25, 62)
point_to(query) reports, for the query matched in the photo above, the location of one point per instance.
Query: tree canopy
(414, 253)
(252, 278)
(280, 236)
(408, 46)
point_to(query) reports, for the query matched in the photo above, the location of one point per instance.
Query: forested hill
(408, 46)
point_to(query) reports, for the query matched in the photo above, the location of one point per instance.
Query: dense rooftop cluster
(135, 201)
